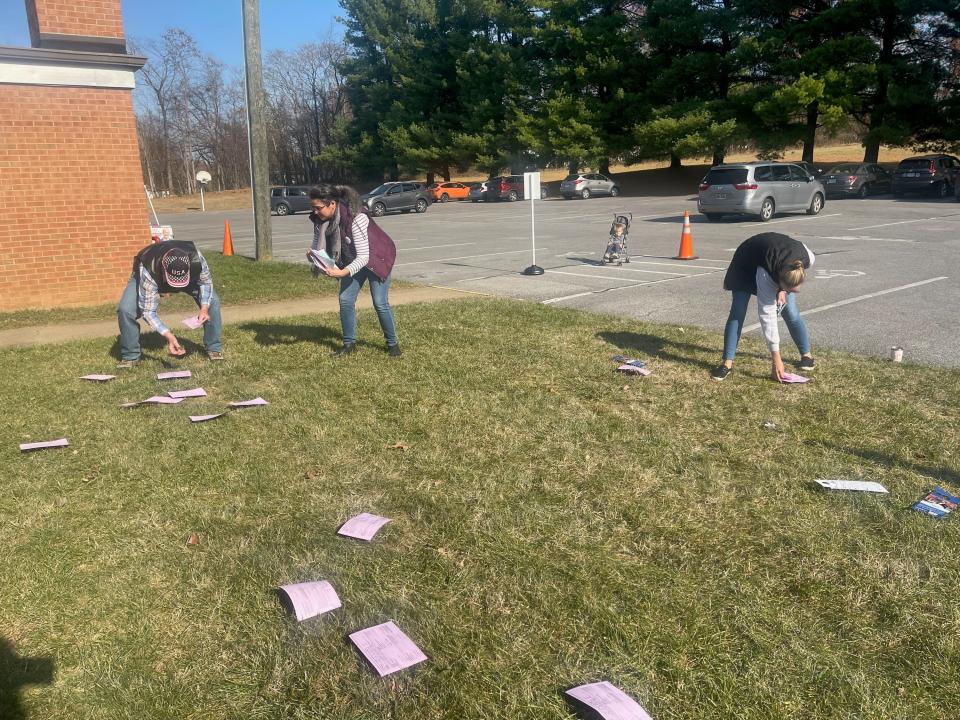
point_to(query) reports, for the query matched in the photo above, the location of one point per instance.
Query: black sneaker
(394, 350)
(346, 350)
(721, 372)
(807, 363)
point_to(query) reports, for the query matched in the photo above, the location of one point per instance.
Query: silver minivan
(759, 188)
(586, 185)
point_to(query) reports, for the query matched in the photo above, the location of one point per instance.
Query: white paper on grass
(196, 392)
(204, 418)
(861, 485)
(310, 599)
(62, 442)
(97, 378)
(249, 403)
(161, 400)
(387, 648)
(363, 526)
(634, 370)
(609, 701)
(174, 374)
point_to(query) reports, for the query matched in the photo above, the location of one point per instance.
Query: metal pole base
(533, 270)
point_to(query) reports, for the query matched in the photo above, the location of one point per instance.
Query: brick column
(91, 25)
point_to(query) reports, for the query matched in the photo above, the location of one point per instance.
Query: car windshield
(379, 190)
(726, 176)
(848, 169)
(568, 178)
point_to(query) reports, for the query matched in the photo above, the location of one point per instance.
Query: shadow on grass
(153, 342)
(644, 344)
(16, 672)
(940, 474)
(286, 334)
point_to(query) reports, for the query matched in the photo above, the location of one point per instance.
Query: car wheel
(421, 206)
(543, 193)
(614, 191)
(444, 197)
(713, 216)
(816, 205)
(283, 209)
(513, 196)
(378, 209)
(585, 194)
(767, 210)
(864, 191)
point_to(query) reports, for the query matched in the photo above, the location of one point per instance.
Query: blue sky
(216, 25)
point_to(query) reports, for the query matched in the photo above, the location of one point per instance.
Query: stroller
(616, 251)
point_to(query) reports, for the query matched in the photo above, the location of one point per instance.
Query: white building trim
(39, 73)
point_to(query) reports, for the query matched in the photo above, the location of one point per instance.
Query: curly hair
(342, 194)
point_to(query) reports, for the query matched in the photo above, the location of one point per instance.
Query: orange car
(448, 191)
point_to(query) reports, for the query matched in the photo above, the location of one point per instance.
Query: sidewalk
(50, 334)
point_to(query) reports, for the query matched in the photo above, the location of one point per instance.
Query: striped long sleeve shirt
(361, 243)
(148, 295)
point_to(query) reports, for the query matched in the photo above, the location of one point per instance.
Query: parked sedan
(856, 180)
(478, 192)
(442, 192)
(396, 196)
(586, 185)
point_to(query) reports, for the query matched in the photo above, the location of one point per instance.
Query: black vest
(771, 251)
(174, 265)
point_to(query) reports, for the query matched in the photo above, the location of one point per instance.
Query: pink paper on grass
(97, 378)
(791, 378)
(161, 400)
(26, 447)
(387, 648)
(196, 392)
(249, 403)
(174, 374)
(204, 418)
(192, 322)
(363, 526)
(609, 701)
(634, 370)
(310, 599)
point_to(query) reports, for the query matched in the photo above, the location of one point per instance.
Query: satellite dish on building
(203, 177)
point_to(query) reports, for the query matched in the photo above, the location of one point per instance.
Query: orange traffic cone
(227, 240)
(686, 240)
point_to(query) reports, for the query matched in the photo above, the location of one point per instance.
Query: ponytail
(341, 194)
(793, 275)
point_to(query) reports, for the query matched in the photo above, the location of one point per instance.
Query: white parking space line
(608, 277)
(802, 219)
(624, 287)
(461, 257)
(831, 306)
(433, 247)
(860, 237)
(905, 222)
(633, 259)
(661, 257)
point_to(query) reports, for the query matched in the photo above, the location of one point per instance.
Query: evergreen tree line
(441, 85)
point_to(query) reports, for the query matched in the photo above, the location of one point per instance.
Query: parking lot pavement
(886, 270)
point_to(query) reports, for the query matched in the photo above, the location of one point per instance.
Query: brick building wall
(72, 206)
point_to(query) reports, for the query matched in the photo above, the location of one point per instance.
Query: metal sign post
(531, 191)
(203, 177)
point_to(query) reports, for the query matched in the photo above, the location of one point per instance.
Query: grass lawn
(237, 280)
(554, 523)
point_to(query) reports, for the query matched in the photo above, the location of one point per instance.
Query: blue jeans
(738, 311)
(350, 289)
(129, 310)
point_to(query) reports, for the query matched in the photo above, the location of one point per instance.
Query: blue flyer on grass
(938, 503)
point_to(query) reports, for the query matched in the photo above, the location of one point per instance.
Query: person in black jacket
(771, 266)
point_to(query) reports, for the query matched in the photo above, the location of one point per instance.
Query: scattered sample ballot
(257, 401)
(196, 392)
(634, 370)
(28, 447)
(608, 701)
(320, 259)
(192, 322)
(363, 526)
(162, 400)
(937, 503)
(624, 360)
(858, 485)
(387, 648)
(310, 599)
(205, 418)
(790, 378)
(174, 374)
(98, 378)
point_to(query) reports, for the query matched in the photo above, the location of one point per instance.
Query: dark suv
(394, 196)
(289, 200)
(926, 173)
(509, 187)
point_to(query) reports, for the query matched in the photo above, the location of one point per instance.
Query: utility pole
(257, 129)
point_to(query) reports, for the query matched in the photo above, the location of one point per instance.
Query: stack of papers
(938, 503)
(608, 701)
(363, 526)
(859, 485)
(27, 447)
(320, 259)
(311, 598)
(387, 648)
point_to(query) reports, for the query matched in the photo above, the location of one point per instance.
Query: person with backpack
(771, 266)
(362, 252)
(162, 268)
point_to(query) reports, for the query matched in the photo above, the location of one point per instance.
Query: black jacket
(771, 251)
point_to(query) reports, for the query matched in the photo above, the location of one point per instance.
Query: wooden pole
(257, 129)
